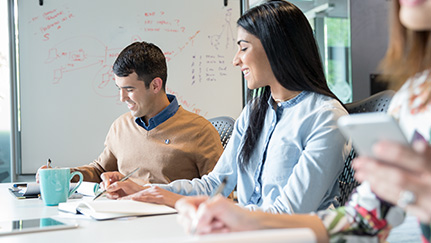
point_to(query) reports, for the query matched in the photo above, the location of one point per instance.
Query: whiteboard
(68, 98)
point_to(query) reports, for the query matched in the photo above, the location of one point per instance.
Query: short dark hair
(143, 58)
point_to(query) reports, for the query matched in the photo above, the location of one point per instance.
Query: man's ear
(156, 85)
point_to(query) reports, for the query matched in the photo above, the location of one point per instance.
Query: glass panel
(5, 126)
(330, 20)
(337, 57)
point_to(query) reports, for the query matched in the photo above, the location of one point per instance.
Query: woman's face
(416, 14)
(252, 60)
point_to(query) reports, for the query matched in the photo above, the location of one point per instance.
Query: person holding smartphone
(401, 175)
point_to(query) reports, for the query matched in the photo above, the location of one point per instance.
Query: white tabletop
(162, 228)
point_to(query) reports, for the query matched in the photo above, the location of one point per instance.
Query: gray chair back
(224, 126)
(378, 102)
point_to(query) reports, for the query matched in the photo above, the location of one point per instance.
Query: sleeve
(314, 177)
(208, 149)
(225, 167)
(365, 217)
(105, 162)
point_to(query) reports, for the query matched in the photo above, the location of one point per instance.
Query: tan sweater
(185, 146)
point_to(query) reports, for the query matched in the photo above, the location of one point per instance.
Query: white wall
(369, 37)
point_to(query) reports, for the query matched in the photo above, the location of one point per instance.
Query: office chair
(378, 102)
(224, 127)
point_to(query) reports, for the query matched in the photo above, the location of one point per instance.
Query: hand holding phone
(365, 129)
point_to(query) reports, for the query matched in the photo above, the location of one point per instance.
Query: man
(165, 141)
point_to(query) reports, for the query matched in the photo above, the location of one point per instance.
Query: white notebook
(109, 209)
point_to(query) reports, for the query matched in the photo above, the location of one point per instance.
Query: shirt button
(257, 189)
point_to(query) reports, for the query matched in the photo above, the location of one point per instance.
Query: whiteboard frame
(16, 161)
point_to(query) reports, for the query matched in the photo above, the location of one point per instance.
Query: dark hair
(409, 51)
(145, 59)
(289, 44)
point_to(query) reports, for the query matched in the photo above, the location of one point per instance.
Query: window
(330, 21)
(5, 112)
(337, 57)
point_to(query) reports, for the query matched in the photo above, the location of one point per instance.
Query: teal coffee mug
(55, 183)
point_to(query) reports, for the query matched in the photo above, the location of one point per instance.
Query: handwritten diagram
(225, 39)
(68, 57)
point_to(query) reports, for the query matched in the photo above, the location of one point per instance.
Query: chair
(378, 102)
(224, 127)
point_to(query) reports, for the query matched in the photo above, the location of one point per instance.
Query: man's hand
(116, 189)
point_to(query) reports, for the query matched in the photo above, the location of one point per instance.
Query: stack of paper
(32, 190)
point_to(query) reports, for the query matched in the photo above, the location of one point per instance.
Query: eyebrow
(125, 87)
(239, 42)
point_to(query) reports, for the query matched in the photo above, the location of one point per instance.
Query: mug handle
(78, 184)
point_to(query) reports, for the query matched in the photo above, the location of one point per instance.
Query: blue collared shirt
(164, 115)
(295, 165)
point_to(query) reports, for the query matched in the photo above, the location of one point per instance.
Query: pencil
(123, 179)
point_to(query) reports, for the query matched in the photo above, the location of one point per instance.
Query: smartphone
(11, 227)
(365, 129)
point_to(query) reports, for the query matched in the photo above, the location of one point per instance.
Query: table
(162, 228)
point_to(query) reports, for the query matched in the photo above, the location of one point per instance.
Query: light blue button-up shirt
(295, 164)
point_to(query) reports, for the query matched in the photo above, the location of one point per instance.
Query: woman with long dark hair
(286, 152)
(398, 179)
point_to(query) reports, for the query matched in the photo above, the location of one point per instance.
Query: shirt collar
(162, 116)
(289, 103)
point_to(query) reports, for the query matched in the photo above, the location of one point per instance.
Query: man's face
(133, 92)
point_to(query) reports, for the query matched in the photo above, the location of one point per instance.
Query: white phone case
(365, 129)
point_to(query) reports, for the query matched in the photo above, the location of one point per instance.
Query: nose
(236, 60)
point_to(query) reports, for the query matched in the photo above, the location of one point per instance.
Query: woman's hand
(400, 175)
(155, 194)
(202, 215)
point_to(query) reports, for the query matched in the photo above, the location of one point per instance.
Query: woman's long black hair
(289, 43)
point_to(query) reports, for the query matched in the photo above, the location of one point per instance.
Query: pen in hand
(122, 179)
(218, 191)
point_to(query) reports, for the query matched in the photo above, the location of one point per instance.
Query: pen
(218, 191)
(48, 163)
(19, 184)
(123, 179)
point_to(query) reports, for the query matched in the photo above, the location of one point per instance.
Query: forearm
(186, 187)
(90, 172)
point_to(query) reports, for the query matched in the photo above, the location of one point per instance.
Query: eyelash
(127, 90)
(244, 49)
